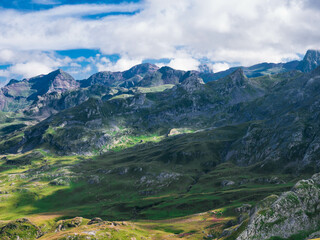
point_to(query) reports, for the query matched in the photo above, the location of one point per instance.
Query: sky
(84, 37)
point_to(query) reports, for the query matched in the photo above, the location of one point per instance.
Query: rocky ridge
(288, 214)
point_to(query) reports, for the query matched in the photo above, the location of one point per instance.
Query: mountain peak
(312, 52)
(58, 71)
(238, 77)
(142, 68)
(310, 61)
(12, 81)
(56, 81)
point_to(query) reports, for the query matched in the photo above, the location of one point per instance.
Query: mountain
(19, 94)
(164, 75)
(162, 151)
(127, 78)
(57, 81)
(234, 99)
(310, 61)
(187, 103)
(288, 126)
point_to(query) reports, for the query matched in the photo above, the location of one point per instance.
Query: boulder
(95, 221)
(227, 183)
(20, 229)
(69, 223)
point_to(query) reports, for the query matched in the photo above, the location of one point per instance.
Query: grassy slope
(176, 177)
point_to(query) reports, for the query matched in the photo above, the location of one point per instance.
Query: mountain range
(159, 143)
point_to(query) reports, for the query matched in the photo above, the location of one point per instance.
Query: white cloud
(30, 69)
(218, 67)
(6, 56)
(122, 64)
(186, 63)
(31, 63)
(4, 73)
(246, 32)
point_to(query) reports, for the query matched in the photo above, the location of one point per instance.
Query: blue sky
(34, 5)
(83, 37)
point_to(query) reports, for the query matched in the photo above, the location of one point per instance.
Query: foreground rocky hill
(295, 212)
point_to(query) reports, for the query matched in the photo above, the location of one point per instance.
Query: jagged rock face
(164, 75)
(54, 102)
(171, 75)
(237, 88)
(140, 69)
(310, 61)
(62, 82)
(57, 81)
(2, 100)
(238, 78)
(289, 135)
(293, 211)
(20, 94)
(192, 84)
(127, 78)
(103, 78)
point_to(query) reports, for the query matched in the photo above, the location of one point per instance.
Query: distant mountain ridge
(18, 95)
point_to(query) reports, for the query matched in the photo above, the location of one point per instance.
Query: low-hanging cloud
(184, 31)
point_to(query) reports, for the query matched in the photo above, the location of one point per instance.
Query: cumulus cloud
(30, 69)
(104, 64)
(218, 67)
(243, 32)
(30, 63)
(184, 63)
(4, 73)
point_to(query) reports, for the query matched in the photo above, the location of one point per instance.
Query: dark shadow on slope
(152, 181)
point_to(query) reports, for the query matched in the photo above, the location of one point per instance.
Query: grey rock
(293, 211)
(227, 183)
(94, 180)
(310, 61)
(95, 221)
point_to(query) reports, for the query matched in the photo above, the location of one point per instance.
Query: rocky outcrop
(17, 95)
(102, 78)
(310, 61)
(57, 81)
(95, 221)
(164, 75)
(140, 69)
(127, 78)
(294, 211)
(63, 225)
(20, 229)
(192, 84)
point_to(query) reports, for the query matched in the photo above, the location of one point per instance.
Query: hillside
(153, 153)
